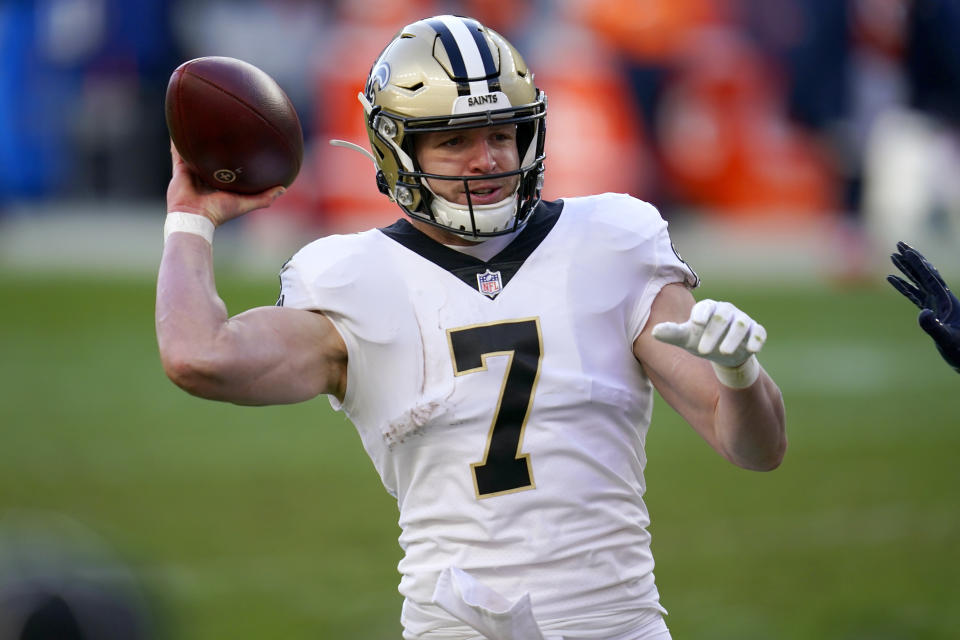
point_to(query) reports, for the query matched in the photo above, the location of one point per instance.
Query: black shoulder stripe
(466, 268)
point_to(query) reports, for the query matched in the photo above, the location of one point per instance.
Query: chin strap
(453, 215)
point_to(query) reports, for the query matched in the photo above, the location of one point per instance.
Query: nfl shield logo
(489, 283)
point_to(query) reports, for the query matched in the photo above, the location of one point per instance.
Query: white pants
(652, 629)
(497, 618)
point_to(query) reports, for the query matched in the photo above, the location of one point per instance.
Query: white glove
(722, 334)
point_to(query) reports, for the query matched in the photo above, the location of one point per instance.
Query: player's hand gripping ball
(233, 125)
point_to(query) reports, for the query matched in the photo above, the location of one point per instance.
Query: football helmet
(448, 73)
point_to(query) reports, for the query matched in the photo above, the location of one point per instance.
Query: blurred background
(832, 122)
(789, 143)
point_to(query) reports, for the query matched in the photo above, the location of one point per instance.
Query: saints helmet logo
(379, 77)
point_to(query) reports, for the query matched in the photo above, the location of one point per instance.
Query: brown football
(233, 125)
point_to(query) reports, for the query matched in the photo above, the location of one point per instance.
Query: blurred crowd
(745, 109)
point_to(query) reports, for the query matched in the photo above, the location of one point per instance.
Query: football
(233, 125)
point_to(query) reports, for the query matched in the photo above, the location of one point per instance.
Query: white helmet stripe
(472, 59)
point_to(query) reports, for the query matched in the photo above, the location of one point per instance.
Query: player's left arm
(697, 345)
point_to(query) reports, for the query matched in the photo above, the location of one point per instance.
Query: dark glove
(940, 309)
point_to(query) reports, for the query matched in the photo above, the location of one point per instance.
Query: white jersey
(502, 405)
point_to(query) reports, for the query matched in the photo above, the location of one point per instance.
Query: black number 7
(503, 468)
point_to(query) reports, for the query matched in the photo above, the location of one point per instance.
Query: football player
(496, 352)
(939, 308)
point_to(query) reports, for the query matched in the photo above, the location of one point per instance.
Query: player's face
(471, 152)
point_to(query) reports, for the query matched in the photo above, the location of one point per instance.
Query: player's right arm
(267, 355)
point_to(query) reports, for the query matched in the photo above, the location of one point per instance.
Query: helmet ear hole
(382, 183)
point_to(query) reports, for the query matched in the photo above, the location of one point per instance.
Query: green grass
(271, 522)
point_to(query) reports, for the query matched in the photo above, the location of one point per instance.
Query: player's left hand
(717, 331)
(939, 307)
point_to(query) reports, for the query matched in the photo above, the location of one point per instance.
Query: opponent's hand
(188, 193)
(717, 331)
(939, 308)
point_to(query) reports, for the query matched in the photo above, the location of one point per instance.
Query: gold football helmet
(450, 73)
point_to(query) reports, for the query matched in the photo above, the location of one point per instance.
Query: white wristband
(188, 223)
(739, 377)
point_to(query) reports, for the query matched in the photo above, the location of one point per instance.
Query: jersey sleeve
(352, 280)
(316, 278)
(646, 258)
(663, 266)
(294, 292)
(338, 276)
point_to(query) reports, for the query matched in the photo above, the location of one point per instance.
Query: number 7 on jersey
(503, 469)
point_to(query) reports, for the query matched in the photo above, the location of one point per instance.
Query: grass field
(271, 523)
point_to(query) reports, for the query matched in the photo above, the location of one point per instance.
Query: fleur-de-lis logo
(379, 77)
